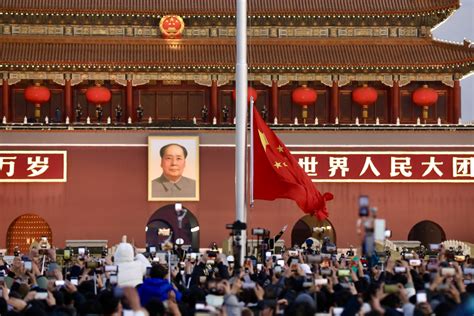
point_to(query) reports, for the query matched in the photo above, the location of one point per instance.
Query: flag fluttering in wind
(277, 174)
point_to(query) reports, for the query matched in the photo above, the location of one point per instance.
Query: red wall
(106, 196)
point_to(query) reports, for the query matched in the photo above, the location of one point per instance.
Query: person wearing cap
(172, 183)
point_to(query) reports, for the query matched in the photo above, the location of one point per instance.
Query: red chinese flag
(277, 174)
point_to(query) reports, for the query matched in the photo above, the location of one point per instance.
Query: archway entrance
(427, 232)
(310, 226)
(25, 230)
(167, 224)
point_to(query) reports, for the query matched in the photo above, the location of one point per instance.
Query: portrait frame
(191, 169)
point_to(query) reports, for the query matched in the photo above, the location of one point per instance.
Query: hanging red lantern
(37, 95)
(251, 92)
(425, 97)
(98, 95)
(304, 96)
(364, 96)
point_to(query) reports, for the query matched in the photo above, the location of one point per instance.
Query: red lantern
(98, 95)
(251, 92)
(364, 96)
(37, 95)
(425, 97)
(304, 96)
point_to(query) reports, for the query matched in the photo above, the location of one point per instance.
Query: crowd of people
(300, 281)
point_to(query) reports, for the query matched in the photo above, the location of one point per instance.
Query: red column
(129, 104)
(456, 102)
(213, 110)
(274, 107)
(395, 104)
(6, 99)
(68, 99)
(334, 108)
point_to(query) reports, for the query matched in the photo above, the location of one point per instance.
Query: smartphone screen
(28, 265)
(74, 281)
(421, 297)
(363, 205)
(67, 254)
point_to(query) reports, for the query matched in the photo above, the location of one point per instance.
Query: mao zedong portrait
(172, 183)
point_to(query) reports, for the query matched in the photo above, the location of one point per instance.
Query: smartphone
(74, 281)
(67, 254)
(343, 272)
(400, 269)
(408, 256)
(448, 271)
(268, 254)
(469, 271)
(390, 288)
(363, 205)
(321, 281)
(113, 279)
(415, 262)
(434, 247)
(259, 266)
(294, 261)
(293, 253)
(41, 295)
(421, 297)
(326, 272)
(28, 265)
(281, 262)
(91, 264)
(111, 268)
(81, 251)
(314, 258)
(152, 250)
(59, 282)
(459, 258)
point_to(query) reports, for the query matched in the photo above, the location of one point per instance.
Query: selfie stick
(42, 265)
(169, 266)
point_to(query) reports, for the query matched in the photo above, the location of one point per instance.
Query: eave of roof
(264, 55)
(193, 8)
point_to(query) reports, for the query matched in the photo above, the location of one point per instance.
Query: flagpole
(241, 119)
(251, 153)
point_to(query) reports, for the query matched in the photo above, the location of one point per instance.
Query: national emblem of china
(171, 26)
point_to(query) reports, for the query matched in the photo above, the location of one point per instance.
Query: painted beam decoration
(387, 166)
(33, 166)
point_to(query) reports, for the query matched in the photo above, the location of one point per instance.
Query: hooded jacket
(130, 269)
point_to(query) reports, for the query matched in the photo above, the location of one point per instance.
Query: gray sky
(458, 27)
